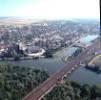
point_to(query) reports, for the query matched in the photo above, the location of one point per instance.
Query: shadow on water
(95, 69)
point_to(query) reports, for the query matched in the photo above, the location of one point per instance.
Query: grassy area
(96, 60)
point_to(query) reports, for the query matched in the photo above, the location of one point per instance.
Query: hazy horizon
(50, 9)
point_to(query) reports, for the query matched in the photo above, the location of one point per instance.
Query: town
(41, 39)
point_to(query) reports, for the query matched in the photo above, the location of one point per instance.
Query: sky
(50, 9)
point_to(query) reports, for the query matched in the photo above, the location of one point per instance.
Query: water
(88, 39)
(66, 52)
(71, 50)
(54, 64)
(51, 65)
(85, 76)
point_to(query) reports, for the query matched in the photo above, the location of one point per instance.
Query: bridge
(47, 85)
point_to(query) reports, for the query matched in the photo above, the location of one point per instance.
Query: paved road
(50, 82)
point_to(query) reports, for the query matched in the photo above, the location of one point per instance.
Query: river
(51, 65)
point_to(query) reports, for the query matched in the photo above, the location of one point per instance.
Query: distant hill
(15, 20)
(26, 20)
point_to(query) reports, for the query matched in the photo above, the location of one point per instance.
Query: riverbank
(54, 53)
(95, 64)
(21, 58)
(95, 61)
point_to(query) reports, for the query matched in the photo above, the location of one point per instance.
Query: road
(50, 82)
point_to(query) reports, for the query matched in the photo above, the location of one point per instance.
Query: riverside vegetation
(73, 91)
(16, 82)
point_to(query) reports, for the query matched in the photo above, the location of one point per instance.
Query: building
(34, 51)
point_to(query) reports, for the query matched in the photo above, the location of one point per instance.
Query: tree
(85, 91)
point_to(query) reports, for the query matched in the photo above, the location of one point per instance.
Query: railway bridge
(47, 85)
